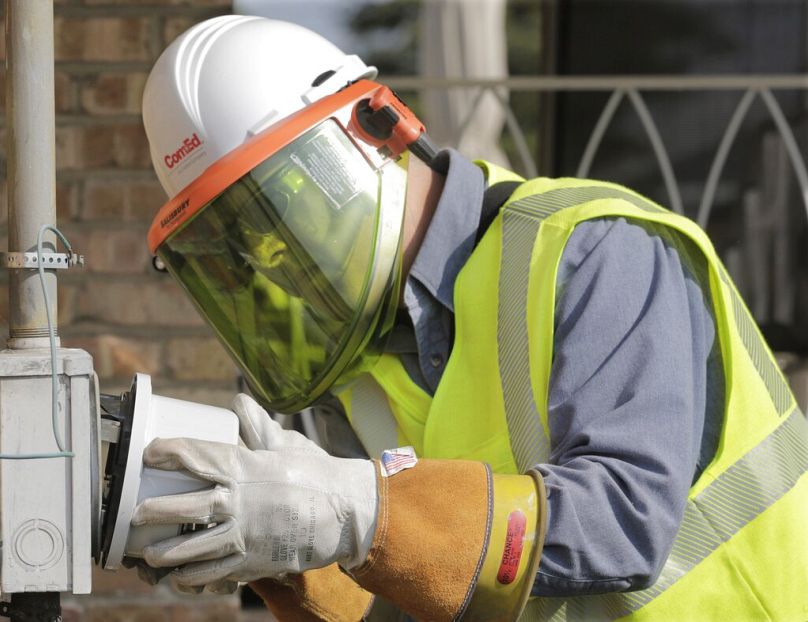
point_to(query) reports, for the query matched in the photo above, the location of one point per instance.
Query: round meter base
(144, 417)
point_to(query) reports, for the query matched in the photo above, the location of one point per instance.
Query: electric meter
(142, 416)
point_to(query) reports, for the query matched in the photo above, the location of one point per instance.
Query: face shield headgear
(290, 244)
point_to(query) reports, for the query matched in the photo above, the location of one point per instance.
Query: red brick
(130, 147)
(117, 146)
(103, 200)
(199, 359)
(102, 146)
(102, 39)
(66, 201)
(72, 612)
(67, 150)
(119, 200)
(3, 202)
(158, 302)
(113, 251)
(113, 93)
(119, 357)
(128, 356)
(68, 296)
(174, 26)
(159, 603)
(144, 200)
(123, 582)
(130, 611)
(64, 92)
(206, 609)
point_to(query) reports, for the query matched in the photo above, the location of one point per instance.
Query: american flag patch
(395, 460)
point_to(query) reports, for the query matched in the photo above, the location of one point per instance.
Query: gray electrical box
(49, 519)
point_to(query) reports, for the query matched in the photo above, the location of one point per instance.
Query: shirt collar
(449, 240)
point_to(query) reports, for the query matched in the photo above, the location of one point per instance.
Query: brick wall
(129, 317)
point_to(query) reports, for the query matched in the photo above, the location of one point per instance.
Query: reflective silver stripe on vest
(371, 417)
(528, 441)
(729, 503)
(521, 221)
(778, 388)
(736, 497)
(520, 224)
(772, 377)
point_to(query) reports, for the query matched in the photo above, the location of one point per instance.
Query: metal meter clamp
(50, 261)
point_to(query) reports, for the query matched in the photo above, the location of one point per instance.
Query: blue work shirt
(635, 376)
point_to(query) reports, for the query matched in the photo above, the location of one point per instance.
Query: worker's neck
(424, 187)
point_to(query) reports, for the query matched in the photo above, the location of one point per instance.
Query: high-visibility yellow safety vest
(741, 552)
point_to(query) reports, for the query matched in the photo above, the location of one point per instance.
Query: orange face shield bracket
(385, 121)
(370, 111)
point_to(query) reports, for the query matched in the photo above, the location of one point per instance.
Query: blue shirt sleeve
(626, 412)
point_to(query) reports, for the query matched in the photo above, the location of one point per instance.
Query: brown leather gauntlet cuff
(430, 538)
(316, 595)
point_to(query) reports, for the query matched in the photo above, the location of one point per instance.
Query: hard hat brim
(237, 163)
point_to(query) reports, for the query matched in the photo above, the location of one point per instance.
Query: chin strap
(386, 122)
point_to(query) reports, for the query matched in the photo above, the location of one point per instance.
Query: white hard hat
(286, 199)
(227, 79)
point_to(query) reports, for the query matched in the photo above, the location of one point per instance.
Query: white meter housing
(144, 417)
(50, 507)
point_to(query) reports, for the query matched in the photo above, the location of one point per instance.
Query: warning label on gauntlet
(514, 543)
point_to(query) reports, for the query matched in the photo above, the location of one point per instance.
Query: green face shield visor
(296, 265)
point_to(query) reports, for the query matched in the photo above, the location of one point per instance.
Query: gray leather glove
(284, 509)
(153, 576)
(258, 430)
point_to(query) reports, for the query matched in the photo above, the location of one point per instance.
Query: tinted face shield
(295, 264)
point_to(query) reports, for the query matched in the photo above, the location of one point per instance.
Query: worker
(539, 398)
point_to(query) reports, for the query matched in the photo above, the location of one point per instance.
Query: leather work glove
(441, 540)
(258, 430)
(272, 512)
(153, 576)
(326, 592)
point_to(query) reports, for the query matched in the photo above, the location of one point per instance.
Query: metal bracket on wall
(50, 261)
